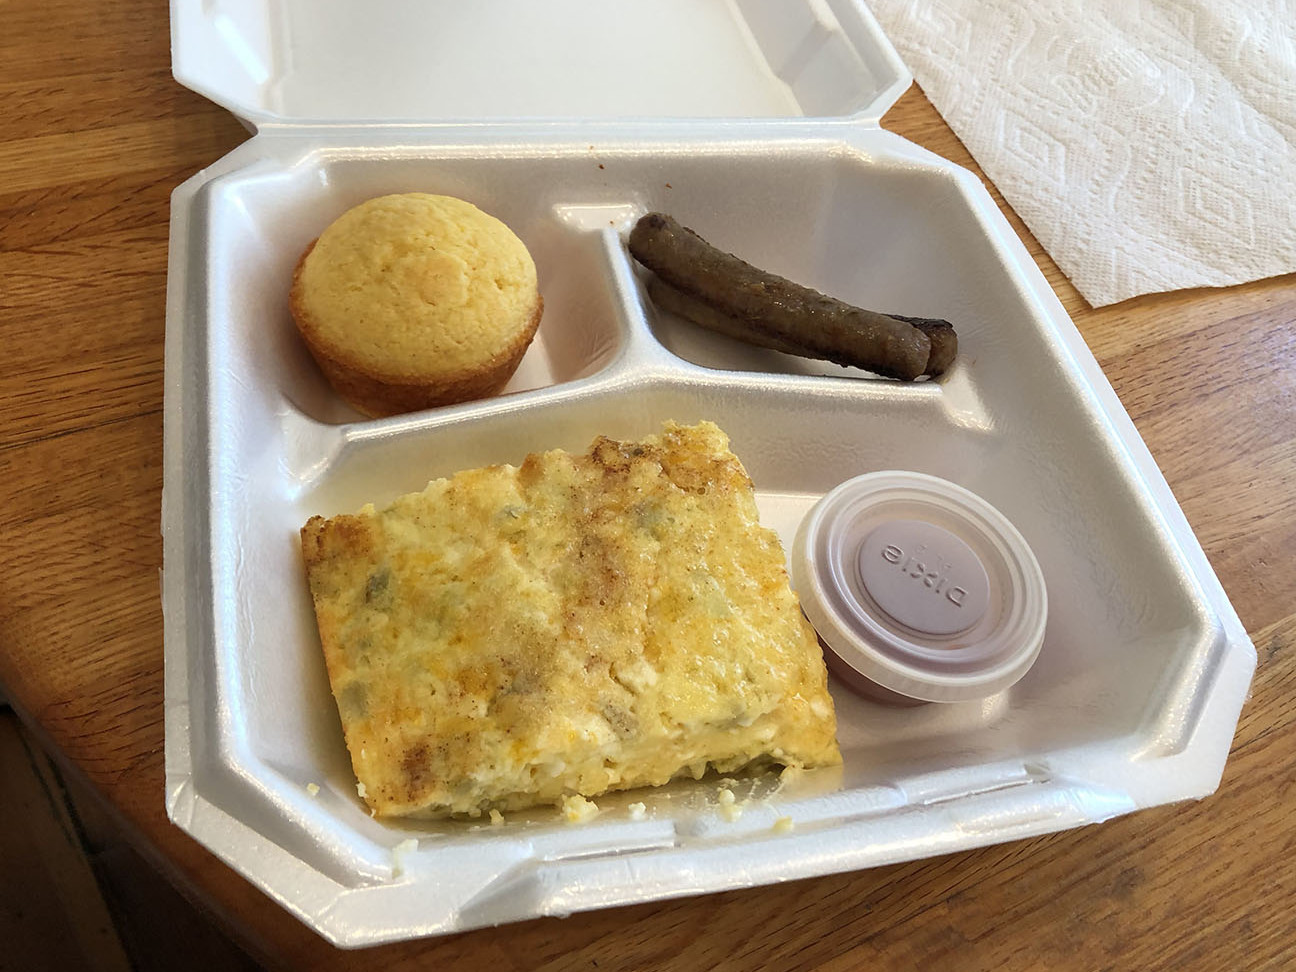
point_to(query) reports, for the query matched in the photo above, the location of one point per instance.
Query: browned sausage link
(777, 309)
(944, 342)
(677, 302)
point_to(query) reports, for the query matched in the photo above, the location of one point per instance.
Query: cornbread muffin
(412, 301)
(521, 635)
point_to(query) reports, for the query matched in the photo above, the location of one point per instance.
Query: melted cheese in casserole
(578, 624)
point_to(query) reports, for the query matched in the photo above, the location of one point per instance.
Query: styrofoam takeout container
(756, 123)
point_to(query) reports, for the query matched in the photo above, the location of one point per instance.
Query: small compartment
(888, 238)
(261, 221)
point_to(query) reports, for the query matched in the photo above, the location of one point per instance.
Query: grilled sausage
(943, 338)
(770, 311)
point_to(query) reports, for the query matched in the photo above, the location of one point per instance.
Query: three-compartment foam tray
(755, 122)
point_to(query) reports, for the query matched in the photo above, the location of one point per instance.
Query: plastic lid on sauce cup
(920, 590)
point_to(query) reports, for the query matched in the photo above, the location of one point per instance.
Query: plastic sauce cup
(920, 590)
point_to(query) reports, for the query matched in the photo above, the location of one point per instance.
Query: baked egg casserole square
(513, 636)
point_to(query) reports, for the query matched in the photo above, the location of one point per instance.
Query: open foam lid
(338, 61)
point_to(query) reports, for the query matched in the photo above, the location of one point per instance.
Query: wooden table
(95, 134)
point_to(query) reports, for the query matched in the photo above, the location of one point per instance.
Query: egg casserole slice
(582, 623)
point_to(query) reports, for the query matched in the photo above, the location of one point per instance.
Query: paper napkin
(1149, 145)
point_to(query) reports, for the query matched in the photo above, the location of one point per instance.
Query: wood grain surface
(93, 137)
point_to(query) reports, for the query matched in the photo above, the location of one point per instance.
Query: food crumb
(637, 811)
(729, 808)
(600, 165)
(361, 791)
(496, 818)
(398, 855)
(668, 185)
(783, 825)
(312, 789)
(577, 809)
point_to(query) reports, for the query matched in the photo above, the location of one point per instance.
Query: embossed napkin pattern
(1149, 145)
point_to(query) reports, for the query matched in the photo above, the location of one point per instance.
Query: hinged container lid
(409, 61)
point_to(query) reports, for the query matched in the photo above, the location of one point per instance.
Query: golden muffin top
(415, 284)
